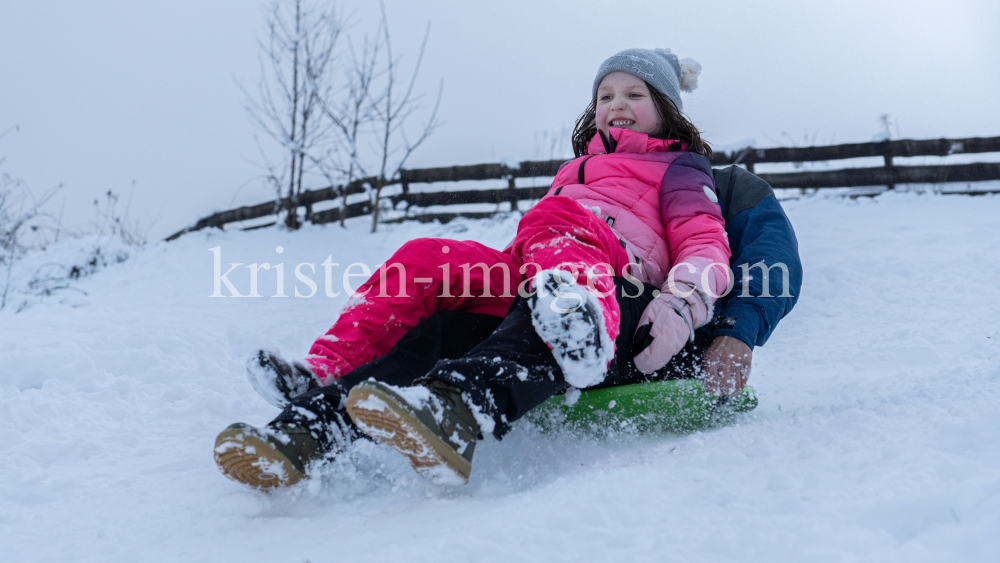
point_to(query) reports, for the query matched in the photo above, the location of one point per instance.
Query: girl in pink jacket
(638, 203)
(640, 193)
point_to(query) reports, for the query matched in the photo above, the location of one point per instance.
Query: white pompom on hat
(690, 71)
(658, 67)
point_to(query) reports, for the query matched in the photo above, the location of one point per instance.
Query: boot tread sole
(398, 428)
(250, 460)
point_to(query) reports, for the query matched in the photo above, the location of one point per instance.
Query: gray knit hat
(658, 67)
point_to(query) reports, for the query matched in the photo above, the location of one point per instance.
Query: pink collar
(635, 143)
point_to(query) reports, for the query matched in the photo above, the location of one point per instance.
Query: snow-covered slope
(877, 437)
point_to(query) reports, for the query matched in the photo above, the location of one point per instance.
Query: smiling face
(623, 101)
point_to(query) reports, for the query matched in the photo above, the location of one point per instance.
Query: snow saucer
(679, 405)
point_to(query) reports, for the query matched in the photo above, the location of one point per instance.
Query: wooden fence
(888, 175)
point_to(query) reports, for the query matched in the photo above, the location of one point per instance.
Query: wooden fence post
(512, 193)
(887, 156)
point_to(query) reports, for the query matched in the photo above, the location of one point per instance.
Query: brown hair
(674, 126)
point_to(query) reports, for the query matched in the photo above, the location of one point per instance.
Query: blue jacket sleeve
(764, 250)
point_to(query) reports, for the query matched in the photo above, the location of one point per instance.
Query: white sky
(109, 92)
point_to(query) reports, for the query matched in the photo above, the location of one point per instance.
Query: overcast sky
(108, 92)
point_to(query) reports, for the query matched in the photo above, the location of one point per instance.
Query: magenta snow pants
(426, 276)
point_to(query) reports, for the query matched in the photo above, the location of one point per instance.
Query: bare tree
(551, 144)
(296, 73)
(390, 113)
(351, 116)
(347, 130)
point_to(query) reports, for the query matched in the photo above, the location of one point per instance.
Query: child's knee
(558, 209)
(419, 248)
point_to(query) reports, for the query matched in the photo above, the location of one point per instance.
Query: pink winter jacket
(662, 204)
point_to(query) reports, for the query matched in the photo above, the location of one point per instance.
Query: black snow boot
(430, 424)
(276, 455)
(278, 381)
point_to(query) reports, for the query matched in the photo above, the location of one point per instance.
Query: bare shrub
(109, 221)
(26, 227)
(22, 225)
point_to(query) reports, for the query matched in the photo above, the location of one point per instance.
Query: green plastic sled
(679, 405)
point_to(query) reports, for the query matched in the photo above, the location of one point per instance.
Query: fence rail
(888, 175)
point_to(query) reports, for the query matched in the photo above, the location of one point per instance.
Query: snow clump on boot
(570, 319)
(277, 380)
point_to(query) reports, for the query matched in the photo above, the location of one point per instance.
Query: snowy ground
(877, 436)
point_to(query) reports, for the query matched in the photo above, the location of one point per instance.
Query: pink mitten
(667, 325)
